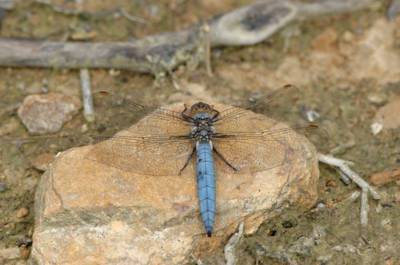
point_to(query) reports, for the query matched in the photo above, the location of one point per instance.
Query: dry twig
(161, 53)
(88, 110)
(343, 167)
(230, 247)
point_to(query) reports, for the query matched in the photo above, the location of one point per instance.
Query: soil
(327, 234)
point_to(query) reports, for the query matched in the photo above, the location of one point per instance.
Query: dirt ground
(323, 57)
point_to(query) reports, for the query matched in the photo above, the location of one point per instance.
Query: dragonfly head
(202, 111)
(201, 107)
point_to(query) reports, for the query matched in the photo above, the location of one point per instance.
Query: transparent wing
(253, 142)
(156, 147)
(151, 155)
(165, 155)
(254, 152)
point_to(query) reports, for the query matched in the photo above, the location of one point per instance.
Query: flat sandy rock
(122, 201)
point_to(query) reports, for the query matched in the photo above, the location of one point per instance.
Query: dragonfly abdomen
(206, 184)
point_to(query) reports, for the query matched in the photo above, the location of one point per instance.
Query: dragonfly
(201, 133)
(198, 137)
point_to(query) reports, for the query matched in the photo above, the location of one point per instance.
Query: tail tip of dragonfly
(209, 233)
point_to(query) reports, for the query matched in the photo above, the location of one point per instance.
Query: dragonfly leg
(216, 115)
(185, 116)
(188, 160)
(224, 159)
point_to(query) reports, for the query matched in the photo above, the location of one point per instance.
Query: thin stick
(131, 17)
(207, 49)
(364, 208)
(230, 247)
(342, 166)
(88, 110)
(7, 4)
(344, 169)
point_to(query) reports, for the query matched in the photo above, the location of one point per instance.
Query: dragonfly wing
(153, 155)
(262, 150)
(154, 147)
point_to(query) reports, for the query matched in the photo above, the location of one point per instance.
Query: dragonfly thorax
(203, 128)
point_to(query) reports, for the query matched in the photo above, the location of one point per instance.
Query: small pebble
(83, 35)
(348, 36)
(47, 113)
(388, 115)
(385, 177)
(377, 99)
(84, 128)
(386, 223)
(22, 212)
(376, 128)
(113, 72)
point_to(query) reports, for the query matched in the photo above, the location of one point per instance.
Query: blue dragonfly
(199, 133)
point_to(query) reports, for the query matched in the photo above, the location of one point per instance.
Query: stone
(82, 35)
(22, 212)
(374, 55)
(388, 115)
(385, 177)
(91, 211)
(47, 113)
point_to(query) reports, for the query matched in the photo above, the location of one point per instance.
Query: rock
(388, 115)
(378, 99)
(94, 213)
(385, 177)
(375, 55)
(22, 212)
(47, 113)
(83, 35)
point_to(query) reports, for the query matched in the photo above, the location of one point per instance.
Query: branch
(162, 53)
(343, 168)
(230, 247)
